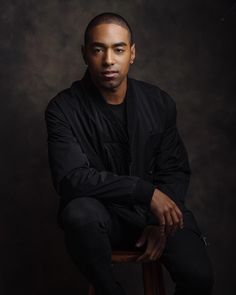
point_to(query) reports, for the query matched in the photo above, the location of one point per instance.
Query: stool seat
(153, 282)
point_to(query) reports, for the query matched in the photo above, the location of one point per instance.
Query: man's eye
(120, 50)
(97, 50)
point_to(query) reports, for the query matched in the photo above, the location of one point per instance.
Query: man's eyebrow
(119, 44)
(99, 44)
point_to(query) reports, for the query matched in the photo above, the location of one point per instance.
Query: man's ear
(133, 51)
(83, 52)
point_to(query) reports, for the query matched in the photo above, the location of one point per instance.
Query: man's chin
(109, 85)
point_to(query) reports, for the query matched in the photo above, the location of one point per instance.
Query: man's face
(108, 54)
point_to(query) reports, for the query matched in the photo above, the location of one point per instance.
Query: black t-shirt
(119, 111)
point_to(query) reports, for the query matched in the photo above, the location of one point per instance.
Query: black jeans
(93, 229)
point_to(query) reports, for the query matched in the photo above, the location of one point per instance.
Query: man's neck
(115, 95)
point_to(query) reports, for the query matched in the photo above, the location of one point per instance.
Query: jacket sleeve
(72, 173)
(171, 171)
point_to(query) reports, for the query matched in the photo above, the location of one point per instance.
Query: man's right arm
(72, 174)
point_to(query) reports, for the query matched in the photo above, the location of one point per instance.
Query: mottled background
(183, 46)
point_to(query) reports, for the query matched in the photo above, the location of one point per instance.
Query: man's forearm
(104, 185)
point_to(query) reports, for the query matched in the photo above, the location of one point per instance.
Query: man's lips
(109, 74)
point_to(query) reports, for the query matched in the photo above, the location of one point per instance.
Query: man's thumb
(141, 241)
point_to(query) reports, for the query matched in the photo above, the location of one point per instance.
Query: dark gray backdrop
(182, 46)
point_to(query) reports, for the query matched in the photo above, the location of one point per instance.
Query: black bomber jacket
(85, 141)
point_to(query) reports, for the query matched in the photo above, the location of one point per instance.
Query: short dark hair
(107, 18)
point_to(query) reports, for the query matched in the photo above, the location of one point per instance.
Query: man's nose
(108, 58)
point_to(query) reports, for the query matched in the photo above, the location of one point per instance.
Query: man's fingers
(156, 248)
(159, 247)
(154, 251)
(144, 257)
(180, 216)
(141, 241)
(162, 224)
(176, 222)
(169, 223)
(149, 252)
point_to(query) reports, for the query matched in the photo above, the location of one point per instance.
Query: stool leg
(148, 282)
(153, 281)
(91, 290)
(158, 278)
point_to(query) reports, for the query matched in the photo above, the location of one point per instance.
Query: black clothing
(105, 171)
(87, 220)
(119, 110)
(89, 149)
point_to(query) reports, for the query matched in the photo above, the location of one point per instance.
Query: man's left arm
(171, 173)
(171, 176)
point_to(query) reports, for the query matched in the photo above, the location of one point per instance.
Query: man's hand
(155, 239)
(167, 212)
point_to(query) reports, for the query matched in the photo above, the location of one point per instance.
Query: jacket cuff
(143, 192)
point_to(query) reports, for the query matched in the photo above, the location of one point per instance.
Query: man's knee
(82, 211)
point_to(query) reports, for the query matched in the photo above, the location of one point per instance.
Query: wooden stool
(153, 282)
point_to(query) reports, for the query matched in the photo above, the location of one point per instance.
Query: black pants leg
(186, 259)
(93, 229)
(90, 232)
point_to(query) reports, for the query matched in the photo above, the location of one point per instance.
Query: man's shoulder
(63, 98)
(144, 85)
(60, 96)
(152, 91)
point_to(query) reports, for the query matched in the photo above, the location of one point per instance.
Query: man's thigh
(127, 226)
(121, 223)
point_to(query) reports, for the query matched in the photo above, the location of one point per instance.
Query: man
(121, 169)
